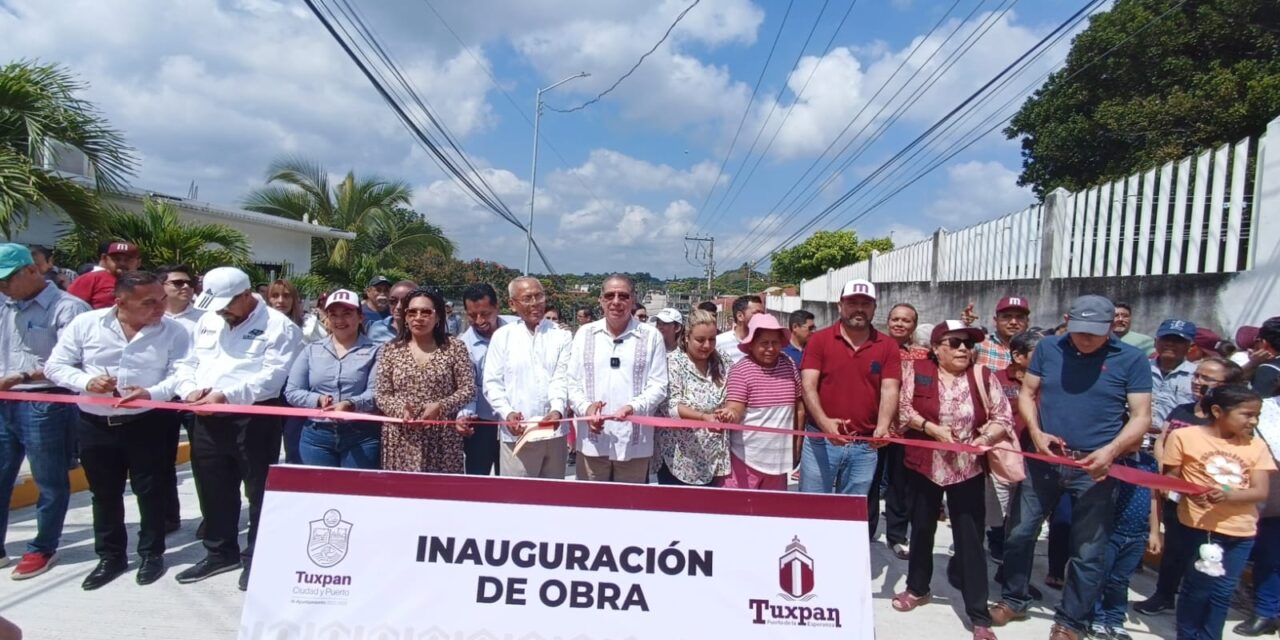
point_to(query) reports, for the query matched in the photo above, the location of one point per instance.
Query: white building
(278, 245)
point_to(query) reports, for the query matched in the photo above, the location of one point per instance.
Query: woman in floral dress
(423, 374)
(696, 392)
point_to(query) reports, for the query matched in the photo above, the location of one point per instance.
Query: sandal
(906, 601)
(983, 633)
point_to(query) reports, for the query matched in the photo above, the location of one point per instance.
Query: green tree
(41, 118)
(822, 251)
(161, 238)
(378, 211)
(1205, 74)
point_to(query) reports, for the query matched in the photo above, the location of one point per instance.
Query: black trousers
(967, 505)
(481, 451)
(173, 508)
(139, 452)
(891, 483)
(225, 452)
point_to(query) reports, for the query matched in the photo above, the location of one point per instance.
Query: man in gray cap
(1087, 396)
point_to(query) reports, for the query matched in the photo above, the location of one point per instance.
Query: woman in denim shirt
(334, 374)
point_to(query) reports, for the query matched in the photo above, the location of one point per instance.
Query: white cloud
(671, 89)
(607, 170)
(977, 191)
(846, 80)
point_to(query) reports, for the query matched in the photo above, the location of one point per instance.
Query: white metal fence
(1192, 216)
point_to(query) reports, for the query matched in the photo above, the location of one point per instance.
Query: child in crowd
(1221, 523)
(1132, 536)
(763, 390)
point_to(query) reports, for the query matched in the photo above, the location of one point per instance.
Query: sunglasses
(419, 313)
(616, 295)
(955, 343)
(179, 284)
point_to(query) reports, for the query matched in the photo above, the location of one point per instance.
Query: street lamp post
(533, 173)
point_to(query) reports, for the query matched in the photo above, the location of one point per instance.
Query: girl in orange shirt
(1222, 522)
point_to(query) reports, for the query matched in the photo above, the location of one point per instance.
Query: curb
(25, 494)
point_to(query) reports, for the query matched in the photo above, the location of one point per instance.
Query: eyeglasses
(1197, 376)
(956, 343)
(616, 295)
(179, 284)
(416, 313)
(533, 298)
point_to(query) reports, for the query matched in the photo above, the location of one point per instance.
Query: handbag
(1003, 460)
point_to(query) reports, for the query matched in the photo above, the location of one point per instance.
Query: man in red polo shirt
(98, 286)
(850, 376)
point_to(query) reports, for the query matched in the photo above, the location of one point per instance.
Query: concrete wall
(1193, 297)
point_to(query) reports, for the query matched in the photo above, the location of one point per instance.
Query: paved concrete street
(53, 607)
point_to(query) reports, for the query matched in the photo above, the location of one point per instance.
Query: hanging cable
(633, 67)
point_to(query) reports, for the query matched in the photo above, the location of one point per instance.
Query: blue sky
(212, 91)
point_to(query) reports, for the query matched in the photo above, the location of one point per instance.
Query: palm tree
(41, 119)
(378, 211)
(161, 238)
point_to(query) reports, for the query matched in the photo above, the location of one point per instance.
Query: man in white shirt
(179, 289)
(618, 368)
(128, 351)
(525, 378)
(727, 343)
(240, 354)
(480, 448)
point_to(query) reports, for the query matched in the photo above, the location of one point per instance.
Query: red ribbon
(1125, 474)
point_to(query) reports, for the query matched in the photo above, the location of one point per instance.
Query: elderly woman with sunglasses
(947, 399)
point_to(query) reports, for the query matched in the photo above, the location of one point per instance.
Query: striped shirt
(770, 396)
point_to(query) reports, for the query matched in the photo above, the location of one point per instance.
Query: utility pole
(533, 172)
(710, 262)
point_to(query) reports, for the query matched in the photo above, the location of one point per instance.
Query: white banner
(381, 555)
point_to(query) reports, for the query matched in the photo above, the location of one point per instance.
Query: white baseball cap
(669, 315)
(858, 287)
(221, 285)
(342, 296)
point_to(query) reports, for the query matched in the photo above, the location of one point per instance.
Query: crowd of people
(524, 396)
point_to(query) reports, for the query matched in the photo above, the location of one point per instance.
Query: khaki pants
(602, 469)
(542, 459)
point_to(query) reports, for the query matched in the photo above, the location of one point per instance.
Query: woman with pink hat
(763, 390)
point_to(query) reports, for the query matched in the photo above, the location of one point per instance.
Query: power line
(916, 94)
(770, 224)
(733, 179)
(363, 63)
(745, 111)
(746, 180)
(519, 110)
(633, 67)
(955, 151)
(930, 131)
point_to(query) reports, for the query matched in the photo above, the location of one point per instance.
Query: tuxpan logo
(330, 537)
(797, 579)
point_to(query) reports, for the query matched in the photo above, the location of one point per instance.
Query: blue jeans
(1092, 519)
(1204, 600)
(40, 431)
(827, 467)
(292, 434)
(1266, 569)
(353, 445)
(1124, 554)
